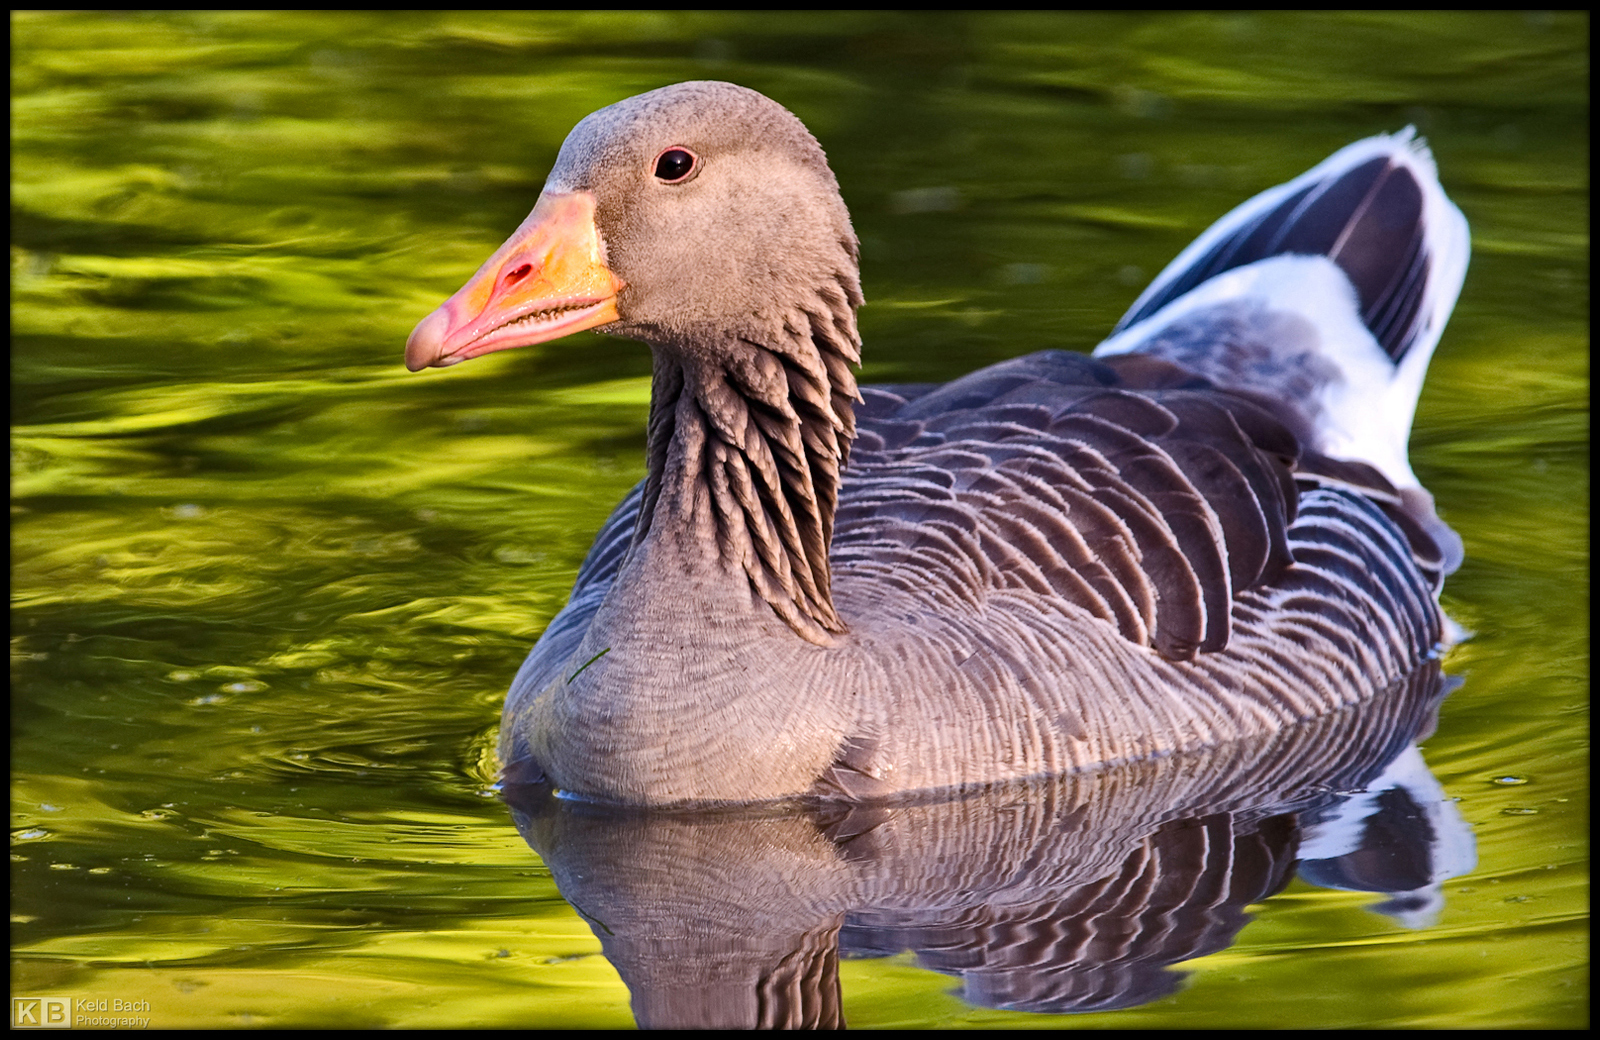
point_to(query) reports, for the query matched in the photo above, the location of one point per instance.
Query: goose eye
(676, 165)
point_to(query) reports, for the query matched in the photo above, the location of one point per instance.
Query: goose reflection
(1072, 895)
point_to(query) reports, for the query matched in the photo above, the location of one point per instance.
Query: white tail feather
(1289, 325)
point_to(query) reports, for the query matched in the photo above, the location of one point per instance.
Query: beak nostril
(518, 275)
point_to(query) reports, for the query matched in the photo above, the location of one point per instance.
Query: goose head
(696, 218)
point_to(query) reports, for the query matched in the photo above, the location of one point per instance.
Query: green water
(268, 589)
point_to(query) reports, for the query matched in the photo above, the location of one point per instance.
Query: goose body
(1207, 531)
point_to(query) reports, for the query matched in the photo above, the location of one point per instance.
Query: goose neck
(746, 447)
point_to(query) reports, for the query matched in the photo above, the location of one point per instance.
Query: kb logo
(41, 1012)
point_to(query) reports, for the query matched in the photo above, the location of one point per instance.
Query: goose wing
(1129, 488)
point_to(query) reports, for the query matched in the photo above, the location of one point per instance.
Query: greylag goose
(1207, 531)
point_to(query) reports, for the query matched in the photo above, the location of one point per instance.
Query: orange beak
(548, 280)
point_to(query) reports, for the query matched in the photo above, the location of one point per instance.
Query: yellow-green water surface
(268, 589)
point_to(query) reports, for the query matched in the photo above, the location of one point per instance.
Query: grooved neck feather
(746, 445)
